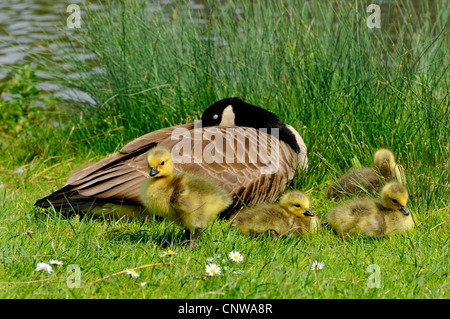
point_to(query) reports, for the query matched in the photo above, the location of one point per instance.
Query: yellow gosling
(290, 214)
(368, 217)
(190, 200)
(369, 179)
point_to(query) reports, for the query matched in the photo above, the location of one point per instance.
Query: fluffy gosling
(371, 218)
(368, 178)
(189, 200)
(291, 213)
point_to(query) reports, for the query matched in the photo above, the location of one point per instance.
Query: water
(31, 26)
(28, 27)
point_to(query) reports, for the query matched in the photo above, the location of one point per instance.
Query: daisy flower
(142, 284)
(317, 265)
(44, 266)
(167, 253)
(212, 270)
(133, 273)
(55, 262)
(236, 256)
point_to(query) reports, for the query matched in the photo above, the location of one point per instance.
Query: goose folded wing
(240, 171)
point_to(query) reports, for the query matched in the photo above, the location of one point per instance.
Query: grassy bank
(346, 88)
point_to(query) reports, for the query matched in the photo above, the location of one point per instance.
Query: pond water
(30, 26)
(26, 27)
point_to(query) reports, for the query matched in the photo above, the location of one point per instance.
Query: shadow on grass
(156, 230)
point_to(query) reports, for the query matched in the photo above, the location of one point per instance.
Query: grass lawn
(346, 88)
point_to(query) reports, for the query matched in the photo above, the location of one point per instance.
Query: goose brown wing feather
(129, 154)
(103, 188)
(119, 176)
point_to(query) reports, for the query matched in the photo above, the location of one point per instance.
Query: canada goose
(368, 178)
(368, 217)
(291, 213)
(190, 200)
(116, 179)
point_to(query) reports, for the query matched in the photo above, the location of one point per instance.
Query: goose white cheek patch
(228, 117)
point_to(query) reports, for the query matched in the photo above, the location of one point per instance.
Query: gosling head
(395, 197)
(296, 203)
(160, 162)
(384, 160)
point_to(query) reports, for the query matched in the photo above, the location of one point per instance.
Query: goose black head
(235, 112)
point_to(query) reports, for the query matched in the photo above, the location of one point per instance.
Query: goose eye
(215, 116)
(297, 205)
(394, 200)
(162, 163)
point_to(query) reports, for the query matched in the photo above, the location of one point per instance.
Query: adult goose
(252, 165)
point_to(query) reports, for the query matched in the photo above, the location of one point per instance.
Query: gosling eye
(162, 163)
(297, 205)
(394, 200)
(215, 116)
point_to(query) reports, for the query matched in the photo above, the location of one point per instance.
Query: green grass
(348, 89)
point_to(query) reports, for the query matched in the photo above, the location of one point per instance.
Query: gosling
(370, 179)
(290, 214)
(368, 217)
(189, 200)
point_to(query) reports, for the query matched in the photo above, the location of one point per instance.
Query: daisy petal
(212, 270)
(236, 256)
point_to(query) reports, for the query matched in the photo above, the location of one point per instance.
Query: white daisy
(133, 273)
(236, 256)
(317, 265)
(142, 284)
(55, 262)
(212, 270)
(211, 259)
(44, 266)
(167, 253)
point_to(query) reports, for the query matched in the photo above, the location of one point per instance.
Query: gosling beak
(308, 212)
(153, 171)
(404, 210)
